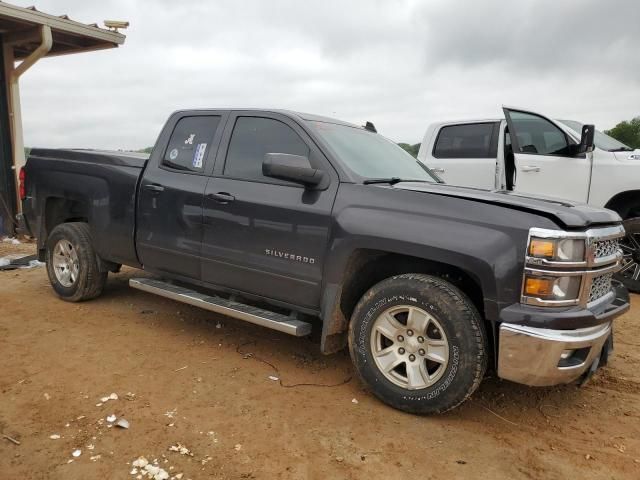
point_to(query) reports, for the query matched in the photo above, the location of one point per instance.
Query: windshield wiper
(621, 149)
(393, 180)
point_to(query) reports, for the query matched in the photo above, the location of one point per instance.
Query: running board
(259, 316)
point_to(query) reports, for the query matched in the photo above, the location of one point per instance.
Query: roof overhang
(20, 27)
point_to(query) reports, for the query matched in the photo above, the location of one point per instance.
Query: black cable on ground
(275, 369)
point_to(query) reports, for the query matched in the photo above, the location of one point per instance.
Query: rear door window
(190, 143)
(473, 140)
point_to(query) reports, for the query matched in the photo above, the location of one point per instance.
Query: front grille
(606, 248)
(600, 286)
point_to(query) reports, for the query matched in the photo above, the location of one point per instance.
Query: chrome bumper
(542, 357)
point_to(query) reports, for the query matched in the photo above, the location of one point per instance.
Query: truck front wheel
(629, 275)
(418, 343)
(72, 264)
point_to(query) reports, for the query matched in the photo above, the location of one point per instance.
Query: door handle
(530, 168)
(154, 188)
(437, 169)
(221, 197)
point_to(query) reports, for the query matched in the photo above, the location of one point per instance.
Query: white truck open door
(546, 158)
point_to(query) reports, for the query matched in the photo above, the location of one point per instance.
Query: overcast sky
(399, 64)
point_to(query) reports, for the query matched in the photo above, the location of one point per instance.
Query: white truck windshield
(601, 140)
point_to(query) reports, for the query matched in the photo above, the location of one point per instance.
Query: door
(264, 236)
(545, 160)
(466, 154)
(169, 223)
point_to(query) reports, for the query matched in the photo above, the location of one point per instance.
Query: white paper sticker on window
(198, 155)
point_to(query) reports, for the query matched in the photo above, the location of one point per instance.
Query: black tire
(630, 273)
(89, 280)
(460, 322)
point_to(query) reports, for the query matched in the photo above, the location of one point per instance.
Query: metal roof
(19, 25)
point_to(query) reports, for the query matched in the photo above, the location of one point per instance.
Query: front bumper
(545, 356)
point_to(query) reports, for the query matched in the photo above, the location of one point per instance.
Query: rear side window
(190, 143)
(252, 139)
(473, 140)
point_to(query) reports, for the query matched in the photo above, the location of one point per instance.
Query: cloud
(399, 64)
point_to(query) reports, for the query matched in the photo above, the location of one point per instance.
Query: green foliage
(145, 150)
(27, 151)
(411, 149)
(627, 132)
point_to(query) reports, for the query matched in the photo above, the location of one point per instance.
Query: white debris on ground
(355, 401)
(171, 413)
(273, 377)
(122, 423)
(214, 438)
(47, 396)
(111, 418)
(141, 467)
(55, 436)
(76, 453)
(181, 449)
(11, 240)
(238, 447)
(113, 396)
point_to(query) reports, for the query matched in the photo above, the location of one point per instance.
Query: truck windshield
(601, 140)
(371, 155)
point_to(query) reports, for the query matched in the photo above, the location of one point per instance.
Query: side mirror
(586, 140)
(294, 168)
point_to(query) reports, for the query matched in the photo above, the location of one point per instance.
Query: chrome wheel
(630, 246)
(409, 347)
(65, 263)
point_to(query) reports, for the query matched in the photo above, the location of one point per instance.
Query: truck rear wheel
(72, 264)
(629, 275)
(418, 343)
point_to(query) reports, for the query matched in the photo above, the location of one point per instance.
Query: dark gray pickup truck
(285, 220)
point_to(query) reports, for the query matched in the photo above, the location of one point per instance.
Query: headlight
(558, 250)
(552, 288)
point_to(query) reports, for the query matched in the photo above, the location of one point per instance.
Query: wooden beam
(20, 37)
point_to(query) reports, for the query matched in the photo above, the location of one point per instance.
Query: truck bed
(96, 185)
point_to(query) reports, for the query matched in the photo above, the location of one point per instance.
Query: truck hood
(564, 212)
(626, 155)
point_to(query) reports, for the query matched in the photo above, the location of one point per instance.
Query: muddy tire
(72, 264)
(418, 343)
(630, 244)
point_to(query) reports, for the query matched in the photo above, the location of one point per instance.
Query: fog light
(566, 354)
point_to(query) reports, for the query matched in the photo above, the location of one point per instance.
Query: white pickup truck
(543, 158)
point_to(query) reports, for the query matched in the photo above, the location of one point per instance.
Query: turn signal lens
(552, 288)
(542, 248)
(538, 286)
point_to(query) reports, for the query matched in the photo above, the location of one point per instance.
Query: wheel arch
(59, 210)
(626, 204)
(366, 267)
